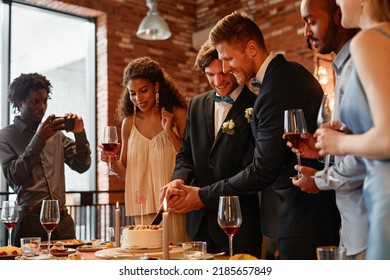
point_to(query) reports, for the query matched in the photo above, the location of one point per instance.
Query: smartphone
(69, 123)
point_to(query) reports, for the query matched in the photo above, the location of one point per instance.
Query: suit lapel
(209, 114)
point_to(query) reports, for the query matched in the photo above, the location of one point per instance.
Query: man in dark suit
(207, 156)
(298, 220)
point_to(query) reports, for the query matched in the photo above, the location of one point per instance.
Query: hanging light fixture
(153, 26)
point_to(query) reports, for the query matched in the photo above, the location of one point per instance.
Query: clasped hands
(180, 197)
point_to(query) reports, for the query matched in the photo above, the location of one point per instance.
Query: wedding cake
(142, 237)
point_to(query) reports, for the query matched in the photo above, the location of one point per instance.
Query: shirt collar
(341, 58)
(260, 74)
(20, 125)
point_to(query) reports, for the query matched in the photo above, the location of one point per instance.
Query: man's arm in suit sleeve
(269, 155)
(350, 172)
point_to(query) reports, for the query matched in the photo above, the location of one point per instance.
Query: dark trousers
(304, 248)
(29, 225)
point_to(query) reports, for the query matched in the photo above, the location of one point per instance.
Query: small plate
(91, 248)
(60, 253)
(180, 256)
(139, 250)
(118, 253)
(8, 257)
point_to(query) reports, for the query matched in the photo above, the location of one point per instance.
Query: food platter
(68, 243)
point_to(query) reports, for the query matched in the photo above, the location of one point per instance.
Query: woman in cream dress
(153, 118)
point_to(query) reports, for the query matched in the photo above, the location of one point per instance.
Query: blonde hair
(378, 10)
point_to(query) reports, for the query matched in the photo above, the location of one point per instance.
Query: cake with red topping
(142, 237)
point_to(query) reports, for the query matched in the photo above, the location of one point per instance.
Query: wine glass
(294, 125)
(229, 217)
(327, 114)
(49, 217)
(109, 142)
(9, 216)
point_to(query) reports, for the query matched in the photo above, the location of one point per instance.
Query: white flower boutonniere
(228, 127)
(249, 114)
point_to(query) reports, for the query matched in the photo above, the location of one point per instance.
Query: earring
(134, 108)
(157, 100)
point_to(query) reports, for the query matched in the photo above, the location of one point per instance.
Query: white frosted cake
(142, 237)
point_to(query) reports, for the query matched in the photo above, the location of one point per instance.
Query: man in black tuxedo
(209, 154)
(299, 221)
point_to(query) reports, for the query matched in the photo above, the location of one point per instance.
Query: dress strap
(383, 32)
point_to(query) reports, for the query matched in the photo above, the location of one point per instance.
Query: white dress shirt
(221, 109)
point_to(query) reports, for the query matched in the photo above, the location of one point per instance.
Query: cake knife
(158, 218)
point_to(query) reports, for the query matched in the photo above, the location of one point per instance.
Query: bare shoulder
(127, 124)
(368, 42)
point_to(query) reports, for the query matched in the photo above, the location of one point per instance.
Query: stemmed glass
(109, 142)
(229, 217)
(9, 216)
(294, 125)
(327, 114)
(49, 217)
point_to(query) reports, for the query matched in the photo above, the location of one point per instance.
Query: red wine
(49, 226)
(9, 224)
(294, 138)
(109, 147)
(230, 230)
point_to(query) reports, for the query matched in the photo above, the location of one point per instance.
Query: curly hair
(146, 68)
(21, 86)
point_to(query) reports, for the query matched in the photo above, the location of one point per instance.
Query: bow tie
(255, 83)
(227, 99)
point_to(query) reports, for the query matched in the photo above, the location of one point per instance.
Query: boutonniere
(228, 127)
(249, 114)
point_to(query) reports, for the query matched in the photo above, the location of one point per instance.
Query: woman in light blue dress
(365, 109)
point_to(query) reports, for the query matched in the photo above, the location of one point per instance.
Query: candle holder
(117, 225)
(165, 218)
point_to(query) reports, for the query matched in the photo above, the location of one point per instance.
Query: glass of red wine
(9, 216)
(49, 217)
(109, 142)
(294, 125)
(229, 217)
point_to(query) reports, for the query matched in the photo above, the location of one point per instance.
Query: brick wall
(117, 44)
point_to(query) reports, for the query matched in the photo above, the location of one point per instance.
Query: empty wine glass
(49, 217)
(327, 114)
(294, 125)
(109, 142)
(229, 217)
(9, 216)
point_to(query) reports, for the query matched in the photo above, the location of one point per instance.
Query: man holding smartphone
(33, 153)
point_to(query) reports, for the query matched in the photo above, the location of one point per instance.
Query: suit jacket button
(211, 165)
